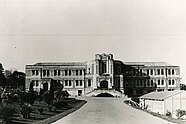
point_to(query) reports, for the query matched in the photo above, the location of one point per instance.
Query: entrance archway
(45, 86)
(104, 84)
(104, 95)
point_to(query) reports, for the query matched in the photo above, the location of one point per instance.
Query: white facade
(162, 102)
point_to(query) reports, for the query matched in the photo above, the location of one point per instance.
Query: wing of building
(104, 73)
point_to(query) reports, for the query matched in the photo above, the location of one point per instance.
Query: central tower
(103, 71)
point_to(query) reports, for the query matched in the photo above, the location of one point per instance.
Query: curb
(61, 115)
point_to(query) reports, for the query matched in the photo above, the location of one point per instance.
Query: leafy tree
(28, 98)
(48, 98)
(2, 76)
(31, 89)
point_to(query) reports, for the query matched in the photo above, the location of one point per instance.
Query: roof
(148, 63)
(161, 95)
(61, 63)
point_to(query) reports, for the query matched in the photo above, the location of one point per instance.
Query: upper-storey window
(37, 72)
(76, 72)
(169, 71)
(55, 72)
(33, 72)
(147, 72)
(66, 72)
(59, 72)
(151, 71)
(89, 82)
(48, 72)
(104, 67)
(80, 72)
(162, 72)
(69, 72)
(44, 72)
(158, 71)
(172, 71)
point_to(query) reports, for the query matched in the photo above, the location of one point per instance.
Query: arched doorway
(104, 95)
(104, 84)
(45, 86)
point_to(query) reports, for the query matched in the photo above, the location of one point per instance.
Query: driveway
(99, 110)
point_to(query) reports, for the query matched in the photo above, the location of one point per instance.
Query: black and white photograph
(92, 62)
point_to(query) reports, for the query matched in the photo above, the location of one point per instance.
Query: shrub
(48, 98)
(28, 98)
(26, 110)
(135, 99)
(180, 113)
(168, 114)
(7, 112)
(61, 95)
(60, 105)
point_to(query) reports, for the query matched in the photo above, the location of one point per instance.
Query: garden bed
(49, 116)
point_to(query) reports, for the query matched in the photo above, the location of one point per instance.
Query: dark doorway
(104, 84)
(79, 92)
(104, 95)
(45, 86)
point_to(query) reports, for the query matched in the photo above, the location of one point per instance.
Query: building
(102, 73)
(163, 102)
(144, 77)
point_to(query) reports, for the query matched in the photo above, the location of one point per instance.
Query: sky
(33, 31)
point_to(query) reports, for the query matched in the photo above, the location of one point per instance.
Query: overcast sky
(34, 31)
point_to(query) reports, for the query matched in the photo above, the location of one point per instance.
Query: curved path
(109, 111)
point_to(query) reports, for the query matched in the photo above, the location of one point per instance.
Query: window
(152, 83)
(33, 83)
(158, 71)
(37, 72)
(158, 82)
(172, 82)
(89, 82)
(148, 83)
(33, 72)
(80, 72)
(69, 72)
(169, 72)
(70, 83)
(162, 82)
(55, 72)
(48, 72)
(169, 82)
(172, 71)
(77, 82)
(59, 72)
(66, 82)
(81, 83)
(37, 83)
(151, 71)
(76, 72)
(104, 67)
(147, 72)
(66, 72)
(162, 72)
(44, 72)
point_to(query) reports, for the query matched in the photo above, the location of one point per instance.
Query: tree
(48, 97)
(2, 76)
(31, 89)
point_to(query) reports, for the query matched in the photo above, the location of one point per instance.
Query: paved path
(109, 111)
